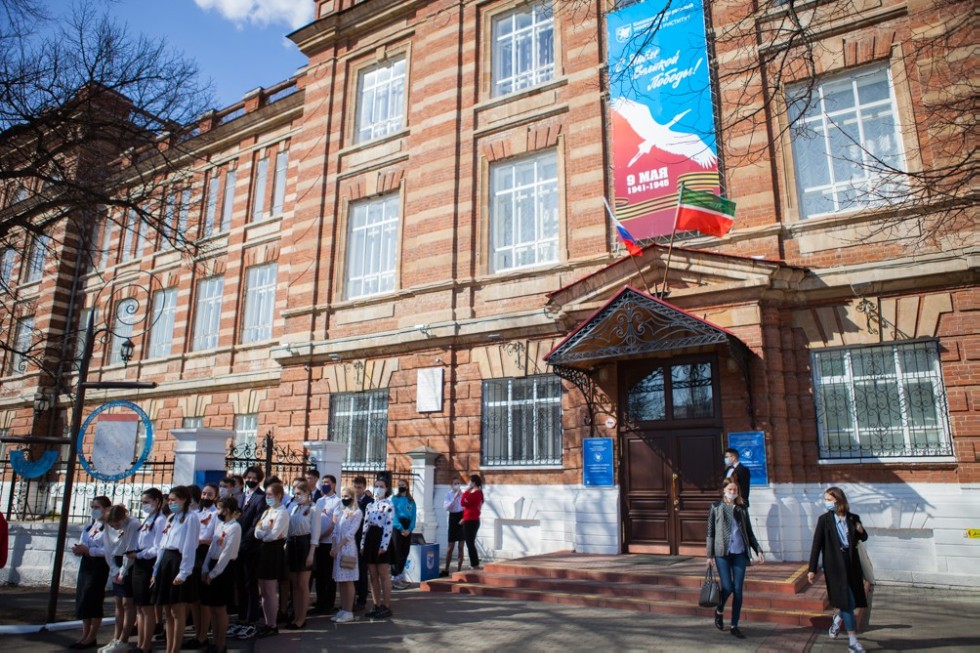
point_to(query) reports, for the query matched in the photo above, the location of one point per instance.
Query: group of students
(242, 542)
(836, 538)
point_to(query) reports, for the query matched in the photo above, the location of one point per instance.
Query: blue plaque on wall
(751, 447)
(597, 462)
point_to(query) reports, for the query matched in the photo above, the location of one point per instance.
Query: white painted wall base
(31, 557)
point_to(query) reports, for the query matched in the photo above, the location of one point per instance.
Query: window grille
(523, 49)
(360, 421)
(883, 401)
(522, 421)
(524, 212)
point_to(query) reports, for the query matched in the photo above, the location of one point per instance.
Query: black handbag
(710, 593)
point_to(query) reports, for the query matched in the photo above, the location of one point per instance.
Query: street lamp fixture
(127, 350)
(41, 402)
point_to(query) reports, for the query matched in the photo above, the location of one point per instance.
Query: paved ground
(903, 619)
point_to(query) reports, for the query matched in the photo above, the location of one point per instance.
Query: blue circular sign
(144, 454)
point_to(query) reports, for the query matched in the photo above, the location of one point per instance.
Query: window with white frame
(523, 48)
(372, 246)
(260, 302)
(847, 148)
(380, 100)
(23, 339)
(80, 334)
(192, 423)
(162, 331)
(258, 189)
(7, 260)
(522, 421)
(228, 203)
(246, 429)
(524, 212)
(122, 328)
(106, 253)
(882, 401)
(279, 183)
(35, 259)
(143, 233)
(360, 421)
(207, 313)
(211, 204)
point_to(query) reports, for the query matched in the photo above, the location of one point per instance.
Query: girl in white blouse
(174, 583)
(92, 574)
(218, 572)
(147, 546)
(304, 536)
(344, 552)
(270, 530)
(121, 536)
(375, 541)
(207, 513)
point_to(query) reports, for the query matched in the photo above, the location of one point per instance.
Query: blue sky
(238, 44)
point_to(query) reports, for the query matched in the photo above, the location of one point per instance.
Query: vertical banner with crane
(663, 123)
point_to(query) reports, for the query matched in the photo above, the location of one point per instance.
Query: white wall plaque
(428, 390)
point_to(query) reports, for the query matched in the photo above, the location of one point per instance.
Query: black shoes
(719, 621)
(737, 633)
(292, 626)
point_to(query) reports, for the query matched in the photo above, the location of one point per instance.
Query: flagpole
(670, 249)
(632, 258)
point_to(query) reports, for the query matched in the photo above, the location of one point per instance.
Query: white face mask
(731, 495)
(379, 492)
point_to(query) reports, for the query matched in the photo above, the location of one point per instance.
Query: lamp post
(76, 424)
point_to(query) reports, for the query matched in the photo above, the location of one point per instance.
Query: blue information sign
(751, 447)
(597, 462)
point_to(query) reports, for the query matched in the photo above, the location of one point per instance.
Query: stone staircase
(774, 592)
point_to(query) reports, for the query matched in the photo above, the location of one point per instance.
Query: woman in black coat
(836, 537)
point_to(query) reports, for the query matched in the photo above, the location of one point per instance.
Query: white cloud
(294, 13)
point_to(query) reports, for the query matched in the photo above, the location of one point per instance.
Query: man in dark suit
(741, 473)
(249, 608)
(361, 585)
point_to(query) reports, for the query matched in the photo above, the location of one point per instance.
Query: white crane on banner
(661, 136)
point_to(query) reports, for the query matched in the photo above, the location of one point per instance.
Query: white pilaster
(423, 489)
(327, 457)
(197, 450)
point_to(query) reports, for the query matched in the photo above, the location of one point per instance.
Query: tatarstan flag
(699, 210)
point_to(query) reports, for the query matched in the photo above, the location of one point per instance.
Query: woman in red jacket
(472, 501)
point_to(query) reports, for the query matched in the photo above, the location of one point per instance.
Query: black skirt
(456, 526)
(297, 550)
(202, 551)
(164, 590)
(372, 547)
(141, 574)
(220, 592)
(272, 561)
(90, 588)
(125, 589)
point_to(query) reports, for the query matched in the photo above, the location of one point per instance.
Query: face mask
(221, 516)
(252, 484)
(222, 492)
(830, 506)
(455, 487)
(207, 503)
(379, 491)
(730, 496)
(402, 490)
(729, 461)
(327, 488)
(270, 501)
(300, 498)
(174, 507)
(347, 501)
(96, 513)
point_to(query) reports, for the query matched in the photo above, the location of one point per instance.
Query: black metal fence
(40, 499)
(274, 459)
(347, 477)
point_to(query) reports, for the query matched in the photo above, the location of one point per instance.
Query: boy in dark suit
(741, 473)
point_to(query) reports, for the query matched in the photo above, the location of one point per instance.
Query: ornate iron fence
(274, 459)
(40, 499)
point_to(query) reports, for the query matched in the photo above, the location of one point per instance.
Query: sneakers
(380, 612)
(835, 626)
(114, 646)
(266, 631)
(385, 613)
(374, 612)
(343, 617)
(736, 632)
(234, 630)
(856, 647)
(246, 632)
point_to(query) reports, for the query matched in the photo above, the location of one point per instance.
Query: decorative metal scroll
(633, 323)
(586, 385)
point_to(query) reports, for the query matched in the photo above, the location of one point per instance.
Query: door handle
(677, 502)
(673, 487)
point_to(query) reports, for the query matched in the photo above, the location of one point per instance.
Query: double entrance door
(672, 453)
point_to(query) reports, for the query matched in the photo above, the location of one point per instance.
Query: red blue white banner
(662, 117)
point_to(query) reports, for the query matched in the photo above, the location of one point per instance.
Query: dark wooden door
(672, 454)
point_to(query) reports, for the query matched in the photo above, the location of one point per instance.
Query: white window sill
(520, 467)
(924, 460)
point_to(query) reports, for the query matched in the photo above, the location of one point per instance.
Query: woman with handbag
(836, 538)
(729, 540)
(344, 553)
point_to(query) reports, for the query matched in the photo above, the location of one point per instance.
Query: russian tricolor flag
(632, 246)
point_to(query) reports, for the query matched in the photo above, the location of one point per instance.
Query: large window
(524, 212)
(23, 339)
(228, 203)
(207, 313)
(162, 331)
(372, 246)
(122, 328)
(881, 402)
(246, 429)
(523, 48)
(279, 183)
(260, 302)
(522, 421)
(380, 100)
(360, 421)
(211, 204)
(7, 259)
(846, 145)
(258, 189)
(35, 259)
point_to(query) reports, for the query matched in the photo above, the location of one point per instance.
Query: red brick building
(393, 242)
